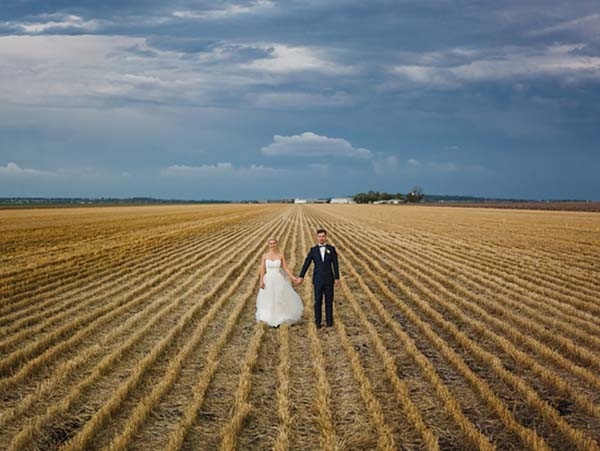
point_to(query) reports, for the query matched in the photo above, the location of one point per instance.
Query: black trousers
(324, 291)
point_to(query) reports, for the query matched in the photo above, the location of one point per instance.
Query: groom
(325, 275)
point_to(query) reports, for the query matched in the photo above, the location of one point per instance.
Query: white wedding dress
(277, 302)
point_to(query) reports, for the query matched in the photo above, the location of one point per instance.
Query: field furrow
(510, 323)
(420, 353)
(260, 429)
(162, 292)
(479, 279)
(577, 437)
(321, 403)
(179, 379)
(122, 253)
(90, 297)
(114, 265)
(162, 367)
(455, 329)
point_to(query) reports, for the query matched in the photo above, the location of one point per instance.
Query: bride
(277, 302)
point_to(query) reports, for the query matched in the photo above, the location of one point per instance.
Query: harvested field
(455, 329)
(540, 205)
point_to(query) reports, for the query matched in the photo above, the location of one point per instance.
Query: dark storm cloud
(201, 87)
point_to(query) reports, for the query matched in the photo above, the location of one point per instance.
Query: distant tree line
(415, 195)
(374, 196)
(59, 201)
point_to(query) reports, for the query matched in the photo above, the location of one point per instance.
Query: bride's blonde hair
(272, 239)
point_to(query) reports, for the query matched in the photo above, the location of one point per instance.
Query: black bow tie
(322, 245)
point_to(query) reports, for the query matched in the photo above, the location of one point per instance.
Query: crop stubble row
(159, 291)
(397, 272)
(421, 355)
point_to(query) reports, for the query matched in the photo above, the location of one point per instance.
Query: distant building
(300, 201)
(341, 200)
(388, 201)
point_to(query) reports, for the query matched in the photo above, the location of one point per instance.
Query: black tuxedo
(325, 273)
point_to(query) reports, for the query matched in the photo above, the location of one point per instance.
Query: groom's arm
(334, 261)
(307, 262)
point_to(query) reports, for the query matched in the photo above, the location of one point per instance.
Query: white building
(341, 200)
(388, 202)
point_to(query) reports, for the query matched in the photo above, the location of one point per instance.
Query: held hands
(298, 280)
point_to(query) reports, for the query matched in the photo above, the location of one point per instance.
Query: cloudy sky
(196, 99)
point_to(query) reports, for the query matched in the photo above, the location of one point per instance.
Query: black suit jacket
(324, 272)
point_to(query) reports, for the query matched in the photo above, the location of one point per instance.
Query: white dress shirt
(322, 250)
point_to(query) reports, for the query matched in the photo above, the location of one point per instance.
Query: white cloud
(68, 71)
(93, 70)
(55, 22)
(554, 61)
(13, 169)
(228, 11)
(63, 70)
(585, 26)
(425, 75)
(222, 170)
(391, 164)
(205, 169)
(309, 144)
(61, 49)
(284, 59)
(505, 64)
(447, 167)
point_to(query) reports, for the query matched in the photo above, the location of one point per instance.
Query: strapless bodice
(273, 265)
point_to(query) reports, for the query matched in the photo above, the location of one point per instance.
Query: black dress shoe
(319, 326)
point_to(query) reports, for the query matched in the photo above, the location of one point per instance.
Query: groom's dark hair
(321, 231)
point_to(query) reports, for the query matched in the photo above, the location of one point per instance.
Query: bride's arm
(286, 269)
(261, 271)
